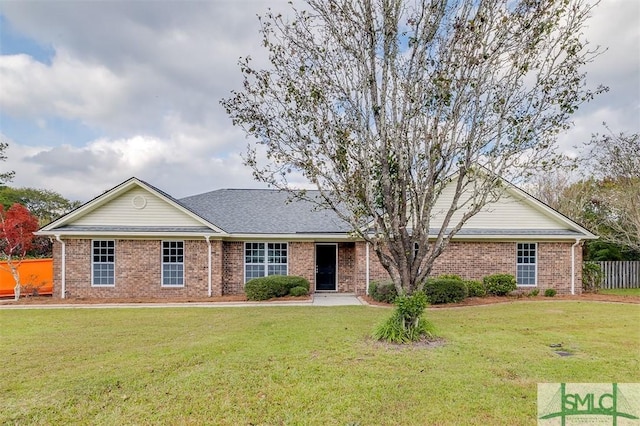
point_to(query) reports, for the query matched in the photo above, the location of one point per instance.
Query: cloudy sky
(94, 92)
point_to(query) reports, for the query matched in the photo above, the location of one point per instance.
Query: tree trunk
(16, 278)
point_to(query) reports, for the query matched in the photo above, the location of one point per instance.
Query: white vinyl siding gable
(509, 212)
(137, 207)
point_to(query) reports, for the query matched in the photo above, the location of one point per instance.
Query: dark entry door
(326, 266)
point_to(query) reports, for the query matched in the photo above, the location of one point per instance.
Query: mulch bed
(490, 300)
(471, 301)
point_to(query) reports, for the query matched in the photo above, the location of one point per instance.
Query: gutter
(366, 275)
(206, 237)
(573, 266)
(63, 267)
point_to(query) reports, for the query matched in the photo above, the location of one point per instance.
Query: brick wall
(347, 271)
(554, 267)
(138, 267)
(138, 270)
(475, 260)
(233, 267)
(302, 261)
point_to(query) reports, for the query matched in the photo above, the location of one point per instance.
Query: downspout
(573, 267)
(63, 267)
(206, 237)
(366, 275)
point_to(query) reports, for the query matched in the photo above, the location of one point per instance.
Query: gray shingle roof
(262, 211)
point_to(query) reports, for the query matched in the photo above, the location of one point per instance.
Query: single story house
(137, 241)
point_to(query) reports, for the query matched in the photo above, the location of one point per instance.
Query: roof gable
(132, 204)
(515, 209)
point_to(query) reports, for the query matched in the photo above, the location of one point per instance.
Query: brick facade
(138, 267)
(475, 260)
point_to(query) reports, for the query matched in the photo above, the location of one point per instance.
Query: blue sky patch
(13, 43)
(49, 130)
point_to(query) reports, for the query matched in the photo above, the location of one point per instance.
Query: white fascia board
(515, 237)
(131, 235)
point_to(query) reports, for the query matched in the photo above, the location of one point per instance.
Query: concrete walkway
(335, 299)
(317, 299)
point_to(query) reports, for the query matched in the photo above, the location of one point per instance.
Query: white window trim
(535, 264)
(162, 263)
(93, 284)
(266, 257)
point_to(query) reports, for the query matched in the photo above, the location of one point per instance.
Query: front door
(326, 267)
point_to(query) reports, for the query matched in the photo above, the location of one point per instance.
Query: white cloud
(148, 77)
(66, 88)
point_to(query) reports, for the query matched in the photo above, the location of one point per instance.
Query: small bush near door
(299, 291)
(274, 286)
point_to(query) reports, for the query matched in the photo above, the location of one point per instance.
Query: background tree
(6, 176)
(607, 197)
(45, 204)
(378, 104)
(615, 162)
(17, 226)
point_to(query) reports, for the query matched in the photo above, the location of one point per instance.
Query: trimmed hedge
(500, 284)
(299, 291)
(264, 288)
(445, 290)
(383, 291)
(475, 288)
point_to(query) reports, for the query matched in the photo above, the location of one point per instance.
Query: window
(173, 263)
(262, 259)
(103, 263)
(526, 264)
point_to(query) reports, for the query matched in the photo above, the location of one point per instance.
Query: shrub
(383, 291)
(406, 323)
(500, 284)
(592, 277)
(264, 288)
(550, 292)
(475, 288)
(298, 291)
(450, 277)
(445, 290)
(533, 292)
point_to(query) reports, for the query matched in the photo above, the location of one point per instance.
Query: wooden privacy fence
(620, 274)
(36, 277)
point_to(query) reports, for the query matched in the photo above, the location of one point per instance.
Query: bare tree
(381, 105)
(560, 190)
(6, 176)
(615, 203)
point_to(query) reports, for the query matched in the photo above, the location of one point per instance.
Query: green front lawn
(303, 365)
(621, 291)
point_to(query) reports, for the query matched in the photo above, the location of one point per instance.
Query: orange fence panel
(36, 275)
